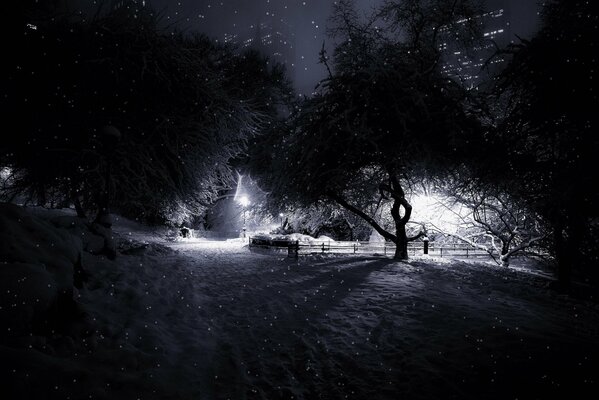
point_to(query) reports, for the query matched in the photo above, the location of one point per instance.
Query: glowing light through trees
(244, 201)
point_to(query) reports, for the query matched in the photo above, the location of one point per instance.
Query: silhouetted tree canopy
(550, 133)
(384, 117)
(184, 106)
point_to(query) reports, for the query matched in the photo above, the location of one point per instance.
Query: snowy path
(220, 322)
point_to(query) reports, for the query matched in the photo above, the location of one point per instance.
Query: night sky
(306, 18)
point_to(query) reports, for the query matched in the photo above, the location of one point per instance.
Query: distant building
(275, 40)
(132, 5)
(129, 8)
(466, 65)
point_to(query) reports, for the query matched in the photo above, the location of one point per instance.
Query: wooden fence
(296, 248)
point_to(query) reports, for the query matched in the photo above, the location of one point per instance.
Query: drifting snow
(210, 320)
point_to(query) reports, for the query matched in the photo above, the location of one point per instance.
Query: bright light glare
(437, 212)
(424, 202)
(430, 209)
(244, 201)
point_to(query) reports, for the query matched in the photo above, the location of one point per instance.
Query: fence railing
(296, 248)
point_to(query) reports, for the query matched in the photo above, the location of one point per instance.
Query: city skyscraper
(473, 65)
(274, 39)
(132, 5)
(502, 22)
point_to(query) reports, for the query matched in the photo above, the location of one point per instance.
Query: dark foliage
(550, 134)
(184, 107)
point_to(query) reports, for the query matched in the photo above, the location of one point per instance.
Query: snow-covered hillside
(198, 320)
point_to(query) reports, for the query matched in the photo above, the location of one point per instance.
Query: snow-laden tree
(323, 218)
(184, 108)
(490, 220)
(384, 117)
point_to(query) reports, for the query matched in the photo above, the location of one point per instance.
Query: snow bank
(296, 237)
(306, 238)
(37, 269)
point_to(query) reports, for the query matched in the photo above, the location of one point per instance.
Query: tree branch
(339, 200)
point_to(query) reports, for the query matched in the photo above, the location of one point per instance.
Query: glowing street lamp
(244, 201)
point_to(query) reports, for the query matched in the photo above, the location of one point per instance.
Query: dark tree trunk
(567, 218)
(103, 216)
(102, 225)
(401, 246)
(351, 230)
(568, 239)
(399, 200)
(396, 192)
(504, 257)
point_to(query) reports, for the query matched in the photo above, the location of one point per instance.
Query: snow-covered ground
(205, 320)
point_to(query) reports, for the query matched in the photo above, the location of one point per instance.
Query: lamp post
(110, 137)
(244, 201)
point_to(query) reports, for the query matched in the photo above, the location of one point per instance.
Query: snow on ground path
(371, 327)
(213, 321)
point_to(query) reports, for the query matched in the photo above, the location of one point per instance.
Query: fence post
(323, 247)
(385, 248)
(293, 249)
(441, 249)
(354, 248)
(466, 252)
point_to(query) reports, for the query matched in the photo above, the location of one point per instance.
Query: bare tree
(493, 222)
